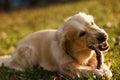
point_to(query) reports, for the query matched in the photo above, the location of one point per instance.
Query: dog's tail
(5, 60)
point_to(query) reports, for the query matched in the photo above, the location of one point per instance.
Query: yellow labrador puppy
(66, 49)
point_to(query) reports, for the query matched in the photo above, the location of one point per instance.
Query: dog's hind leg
(23, 58)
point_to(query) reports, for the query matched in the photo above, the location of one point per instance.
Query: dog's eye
(92, 23)
(82, 34)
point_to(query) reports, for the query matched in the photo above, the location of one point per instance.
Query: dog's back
(35, 49)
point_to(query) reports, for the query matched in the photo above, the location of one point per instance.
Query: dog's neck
(79, 55)
(70, 55)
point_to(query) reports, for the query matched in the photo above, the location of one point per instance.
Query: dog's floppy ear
(66, 44)
(66, 39)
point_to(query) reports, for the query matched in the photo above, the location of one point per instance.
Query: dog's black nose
(101, 37)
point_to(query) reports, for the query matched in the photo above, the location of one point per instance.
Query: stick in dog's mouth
(98, 48)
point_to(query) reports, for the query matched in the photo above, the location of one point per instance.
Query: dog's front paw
(98, 73)
(75, 73)
(71, 72)
(107, 74)
(102, 73)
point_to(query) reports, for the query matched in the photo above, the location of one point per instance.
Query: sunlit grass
(17, 24)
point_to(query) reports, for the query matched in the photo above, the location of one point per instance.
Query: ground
(17, 24)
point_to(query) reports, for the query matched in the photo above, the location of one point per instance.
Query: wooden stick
(98, 56)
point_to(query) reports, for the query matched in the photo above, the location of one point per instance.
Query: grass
(17, 24)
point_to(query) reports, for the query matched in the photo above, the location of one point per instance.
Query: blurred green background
(17, 22)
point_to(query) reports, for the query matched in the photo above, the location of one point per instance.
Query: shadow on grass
(34, 74)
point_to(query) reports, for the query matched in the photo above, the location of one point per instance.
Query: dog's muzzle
(102, 44)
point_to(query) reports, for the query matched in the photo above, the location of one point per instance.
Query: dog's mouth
(102, 46)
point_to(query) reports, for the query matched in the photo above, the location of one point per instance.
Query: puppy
(65, 50)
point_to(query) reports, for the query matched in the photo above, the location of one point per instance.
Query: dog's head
(79, 32)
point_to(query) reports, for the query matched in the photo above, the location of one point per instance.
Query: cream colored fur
(46, 49)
